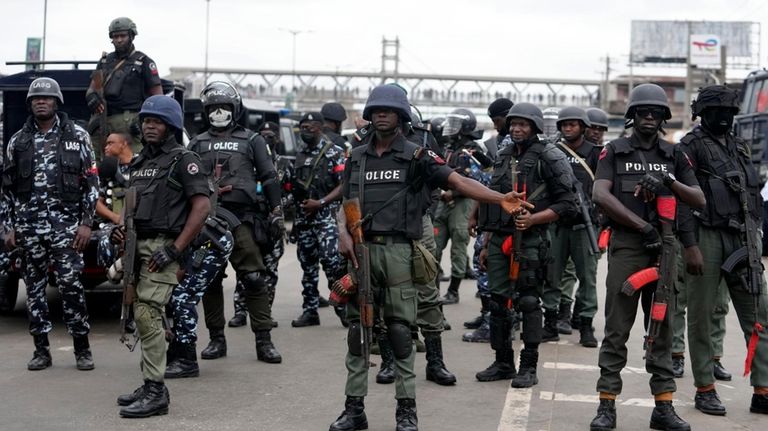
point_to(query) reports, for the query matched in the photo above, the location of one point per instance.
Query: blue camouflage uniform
(45, 218)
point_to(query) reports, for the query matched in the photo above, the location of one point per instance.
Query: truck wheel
(9, 291)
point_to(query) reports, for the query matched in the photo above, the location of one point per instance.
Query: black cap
(269, 125)
(499, 107)
(312, 116)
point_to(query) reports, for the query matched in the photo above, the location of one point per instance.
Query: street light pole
(207, 26)
(45, 27)
(294, 33)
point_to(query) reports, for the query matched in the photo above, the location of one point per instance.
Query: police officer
(598, 125)
(333, 115)
(50, 186)
(569, 237)
(723, 165)
(316, 189)
(497, 111)
(537, 167)
(453, 210)
(248, 188)
(172, 204)
(389, 233)
(631, 172)
(127, 77)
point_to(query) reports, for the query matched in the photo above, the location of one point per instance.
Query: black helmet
(499, 107)
(459, 122)
(388, 96)
(647, 95)
(715, 96)
(222, 93)
(122, 24)
(530, 112)
(334, 111)
(436, 126)
(165, 108)
(45, 87)
(597, 117)
(572, 113)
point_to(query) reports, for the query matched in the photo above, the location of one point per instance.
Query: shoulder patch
(687, 159)
(193, 168)
(603, 153)
(153, 68)
(439, 160)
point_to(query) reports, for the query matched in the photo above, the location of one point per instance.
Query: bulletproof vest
(629, 169)
(722, 200)
(311, 172)
(453, 156)
(124, 83)
(579, 171)
(161, 206)
(233, 153)
(384, 177)
(69, 163)
(528, 167)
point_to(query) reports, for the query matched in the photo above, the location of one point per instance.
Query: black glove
(117, 236)
(651, 183)
(162, 257)
(276, 225)
(93, 100)
(651, 238)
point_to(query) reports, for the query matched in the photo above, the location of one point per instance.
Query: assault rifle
(746, 262)
(665, 274)
(517, 237)
(129, 273)
(353, 213)
(586, 218)
(101, 118)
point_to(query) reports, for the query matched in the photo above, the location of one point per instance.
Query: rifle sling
(313, 172)
(578, 158)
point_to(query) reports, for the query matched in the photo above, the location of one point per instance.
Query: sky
(555, 38)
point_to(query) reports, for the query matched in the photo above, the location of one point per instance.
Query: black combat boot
(307, 318)
(665, 418)
(83, 355)
(405, 415)
(476, 322)
(452, 294)
(678, 366)
(606, 416)
(322, 302)
(526, 374)
(549, 332)
(436, 370)
(128, 399)
(480, 335)
(239, 319)
(503, 368)
(587, 333)
(185, 362)
(709, 403)
(386, 374)
(759, 404)
(265, 350)
(564, 319)
(721, 373)
(153, 401)
(41, 358)
(353, 417)
(576, 319)
(217, 347)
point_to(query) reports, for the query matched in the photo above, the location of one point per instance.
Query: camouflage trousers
(44, 249)
(271, 261)
(481, 276)
(318, 243)
(5, 262)
(201, 266)
(106, 252)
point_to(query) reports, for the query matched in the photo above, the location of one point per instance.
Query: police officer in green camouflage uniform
(172, 204)
(541, 170)
(723, 166)
(380, 169)
(631, 172)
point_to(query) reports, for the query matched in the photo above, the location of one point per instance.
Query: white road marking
(581, 367)
(517, 406)
(593, 399)
(65, 348)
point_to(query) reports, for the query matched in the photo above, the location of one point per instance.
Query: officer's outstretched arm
(602, 196)
(473, 189)
(200, 207)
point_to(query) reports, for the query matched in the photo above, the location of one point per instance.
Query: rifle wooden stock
(353, 214)
(129, 268)
(517, 237)
(98, 88)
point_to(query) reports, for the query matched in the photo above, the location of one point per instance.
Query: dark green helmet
(572, 113)
(647, 95)
(530, 112)
(388, 96)
(122, 24)
(719, 96)
(47, 87)
(597, 117)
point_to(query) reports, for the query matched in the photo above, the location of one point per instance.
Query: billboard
(705, 50)
(34, 45)
(668, 41)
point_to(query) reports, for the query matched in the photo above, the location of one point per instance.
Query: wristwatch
(669, 179)
(322, 202)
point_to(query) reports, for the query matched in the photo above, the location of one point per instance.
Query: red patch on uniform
(688, 159)
(93, 170)
(288, 187)
(437, 158)
(153, 68)
(436, 231)
(338, 168)
(603, 153)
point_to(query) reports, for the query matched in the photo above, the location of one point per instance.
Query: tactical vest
(161, 205)
(454, 156)
(311, 172)
(384, 177)
(629, 169)
(491, 217)
(723, 201)
(125, 83)
(70, 167)
(234, 154)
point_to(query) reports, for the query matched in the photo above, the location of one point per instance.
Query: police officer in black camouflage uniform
(631, 172)
(50, 185)
(248, 188)
(172, 202)
(129, 77)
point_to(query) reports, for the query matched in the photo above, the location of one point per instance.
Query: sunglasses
(656, 113)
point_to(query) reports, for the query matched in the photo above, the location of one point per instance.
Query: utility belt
(387, 239)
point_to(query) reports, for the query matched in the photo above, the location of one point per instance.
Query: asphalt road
(306, 391)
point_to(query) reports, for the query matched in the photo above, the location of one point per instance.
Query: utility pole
(207, 27)
(45, 27)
